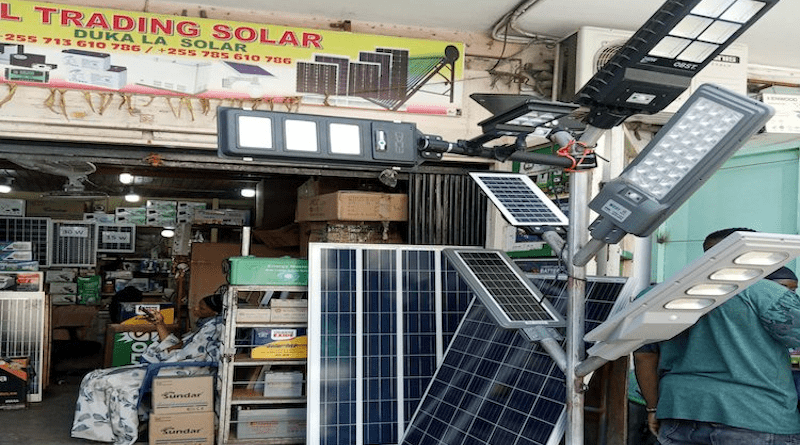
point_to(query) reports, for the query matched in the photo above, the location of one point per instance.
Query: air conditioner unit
(583, 53)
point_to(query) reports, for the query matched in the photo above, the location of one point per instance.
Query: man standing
(726, 380)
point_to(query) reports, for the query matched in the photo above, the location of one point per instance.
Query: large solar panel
(367, 303)
(520, 200)
(365, 79)
(496, 387)
(399, 71)
(343, 72)
(385, 60)
(316, 78)
(503, 288)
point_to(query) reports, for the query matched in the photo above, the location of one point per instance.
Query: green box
(268, 271)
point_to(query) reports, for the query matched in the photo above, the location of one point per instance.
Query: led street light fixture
(517, 114)
(306, 138)
(669, 308)
(711, 126)
(657, 63)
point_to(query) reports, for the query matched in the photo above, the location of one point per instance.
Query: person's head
(715, 237)
(785, 277)
(209, 306)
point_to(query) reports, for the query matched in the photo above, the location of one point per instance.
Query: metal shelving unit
(240, 383)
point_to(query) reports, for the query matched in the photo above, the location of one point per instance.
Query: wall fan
(76, 172)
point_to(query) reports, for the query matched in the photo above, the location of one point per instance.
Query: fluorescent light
(676, 304)
(248, 192)
(132, 197)
(126, 178)
(712, 125)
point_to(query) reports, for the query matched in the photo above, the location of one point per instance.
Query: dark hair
(714, 237)
(214, 302)
(784, 273)
(129, 294)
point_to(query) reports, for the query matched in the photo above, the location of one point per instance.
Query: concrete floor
(49, 422)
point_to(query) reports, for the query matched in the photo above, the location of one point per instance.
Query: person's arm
(646, 368)
(157, 320)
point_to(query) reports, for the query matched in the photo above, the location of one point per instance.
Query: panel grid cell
(520, 200)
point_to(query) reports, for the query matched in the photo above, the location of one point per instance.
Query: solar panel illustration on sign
(520, 201)
(380, 318)
(495, 386)
(503, 288)
(317, 78)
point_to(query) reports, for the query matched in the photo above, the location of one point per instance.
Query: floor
(49, 422)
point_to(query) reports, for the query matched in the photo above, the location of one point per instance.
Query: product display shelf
(248, 413)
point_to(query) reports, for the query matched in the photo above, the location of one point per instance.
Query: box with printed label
(271, 423)
(183, 394)
(12, 207)
(182, 429)
(353, 206)
(64, 288)
(16, 255)
(21, 281)
(134, 313)
(13, 382)
(286, 343)
(265, 271)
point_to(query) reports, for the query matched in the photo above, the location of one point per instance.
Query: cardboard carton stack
(182, 410)
(348, 216)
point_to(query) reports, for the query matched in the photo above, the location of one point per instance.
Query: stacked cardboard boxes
(182, 410)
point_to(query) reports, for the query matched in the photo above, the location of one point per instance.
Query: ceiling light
(168, 232)
(704, 133)
(676, 304)
(132, 197)
(126, 178)
(5, 188)
(657, 64)
(248, 192)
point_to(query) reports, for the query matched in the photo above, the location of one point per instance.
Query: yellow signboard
(134, 52)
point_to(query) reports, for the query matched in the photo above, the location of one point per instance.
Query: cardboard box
(271, 423)
(283, 384)
(134, 313)
(183, 394)
(12, 207)
(14, 382)
(266, 271)
(30, 266)
(225, 217)
(787, 113)
(64, 288)
(353, 206)
(279, 343)
(16, 255)
(56, 209)
(60, 275)
(16, 245)
(285, 311)
(182, 429)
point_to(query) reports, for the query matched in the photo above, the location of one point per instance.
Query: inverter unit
(583, 53)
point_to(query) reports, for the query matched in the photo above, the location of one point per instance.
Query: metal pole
(576, 294)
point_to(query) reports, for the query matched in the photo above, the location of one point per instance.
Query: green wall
(756, 188)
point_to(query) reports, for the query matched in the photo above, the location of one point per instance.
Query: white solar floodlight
(670, 307)
(707, 130)
(658, 62)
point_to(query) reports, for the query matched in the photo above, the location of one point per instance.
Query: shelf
(244, 396)
(272, 441)
(245, 360)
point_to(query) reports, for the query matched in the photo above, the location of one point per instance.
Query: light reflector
(676, 304)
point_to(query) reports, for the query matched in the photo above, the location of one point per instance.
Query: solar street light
(712, 125)
(658, 62)
(670, 307)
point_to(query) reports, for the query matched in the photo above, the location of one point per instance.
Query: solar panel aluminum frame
(73, 243)
(111, 238)
(496, 308)
(561, 218)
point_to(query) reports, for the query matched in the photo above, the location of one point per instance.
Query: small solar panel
(519, 200)
(244, 68)
(509, 296)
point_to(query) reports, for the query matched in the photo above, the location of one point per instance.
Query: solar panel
(503, 288)
(520, 200)
(496, 387)
(365, 79)
(343, 72)
(399, 71)
(243, 68)
(380, 318)
(316, 78)
(385, 60)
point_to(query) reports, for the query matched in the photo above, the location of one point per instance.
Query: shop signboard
(81, 47)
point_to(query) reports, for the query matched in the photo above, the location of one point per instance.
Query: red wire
(567, 149)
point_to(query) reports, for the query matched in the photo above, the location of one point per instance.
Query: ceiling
(766, 40)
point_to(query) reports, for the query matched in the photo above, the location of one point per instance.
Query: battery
(27, 75)
(91, 60)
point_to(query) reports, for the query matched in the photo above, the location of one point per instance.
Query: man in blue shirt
(726, 380)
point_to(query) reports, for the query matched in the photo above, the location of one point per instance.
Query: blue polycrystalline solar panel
(496, 387)
(520, 200)
(503, 288)
(366, 303)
